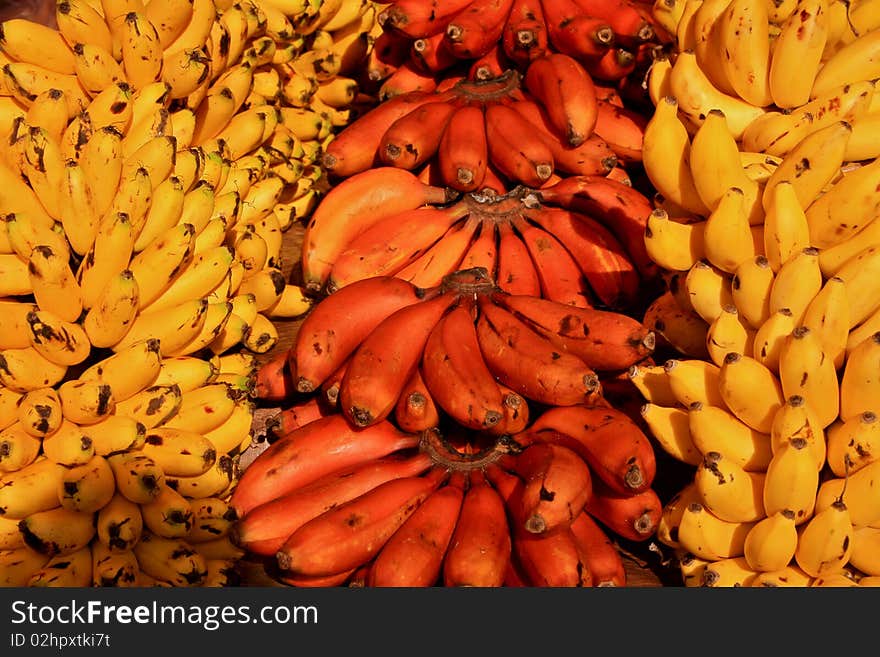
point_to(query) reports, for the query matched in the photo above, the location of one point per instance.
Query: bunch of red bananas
(513, 128)
(456, 435)
(611, 38)
(579, 241)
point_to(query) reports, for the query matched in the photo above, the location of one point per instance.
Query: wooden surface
(647, 563)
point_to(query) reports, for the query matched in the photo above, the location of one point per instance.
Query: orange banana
(415, 410)
(566, 92)
(265, 528)
(616, 449)
(415, 137)
(355, 148)
(314, 450)
(525, 32)
(552, 559)
(420, 18)
(338, 323)
(456, 374)
(603, 559)
(483, 250)
(605, 340)
(354, 205)
(604, 262)
(463, 154)
(516, 273)
(631, 24)
(295, 416)
(478, 28)
(392, 243)
(432, 53)
(386, 359)
(491, 65)
(273, 380)
(442, 257)
(413, 556)
(352, 533)
(515, 147)
(407, 78)
(561, 277)
(623, 129)
(634, 517)
(480, 549)
(529, 363)
(575, 33)
(557, 485)
(624, 210)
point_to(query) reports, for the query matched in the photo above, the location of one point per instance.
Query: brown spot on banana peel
(710, 462)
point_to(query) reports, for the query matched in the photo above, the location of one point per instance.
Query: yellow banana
(39, 412)
(706, 41)
(108, 257)
(156, 265)
(709, 537)
(239, 362)
(101, 160)
(205, 408)
(228, 436)
(111, 107)
(194, 280)
(172, 327)
(246, 130)
(858, 275)
(693, 380)
(138, 476)
(856, 61)
(666, 156)
(218, 479)
(827, 316)
(10, 539)
(291, 303)
(744, 30)
(25, 81)
(26, 369)
(846, 208)
(25, 234)
(13, 323)
(858, 492)
(115, 433)
(728, 333)
(152, 406)
(865, 550)
(14, 275)
(691, 568)
(65, 571)
(18, 448)
(786, 231)
(169, 514)
(108, 320)
(155, 156)
(825, 542)
(796, 283)
(197, 29)
(728, 491)
(771, 542)
(770, 336)
(96, 68)
(727, 237)
(672, 244)
(31, 489)
(49, 112)
(262, 335)
(219, 548)
(669, 425)
(751, 390)
(708, 289)
(119, 524)
(797, 420)
(684, 330)
(170, 559)
(79, 22)
(750, 290)
(673, 511)
(859, 380)
(863, 143)
(179, 452)
(696, 96)
(797, 55)
(129, 370)
(730, 572)
(141, 50)
(113, 569)
(85, 401)
(68, 445)
(216, 316)
(714, 429)
(187, 372)
(852, 443)
(212, 518)
(812, 163)
(791, 481)
(63, 343)
(78, 215)
(805, 370)
(790, 576)
(88, 487)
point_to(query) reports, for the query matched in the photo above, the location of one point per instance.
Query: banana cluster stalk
(151, 163)
(768, 248)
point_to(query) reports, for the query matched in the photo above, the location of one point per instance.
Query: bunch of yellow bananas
(150, 163)
(763, 154)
